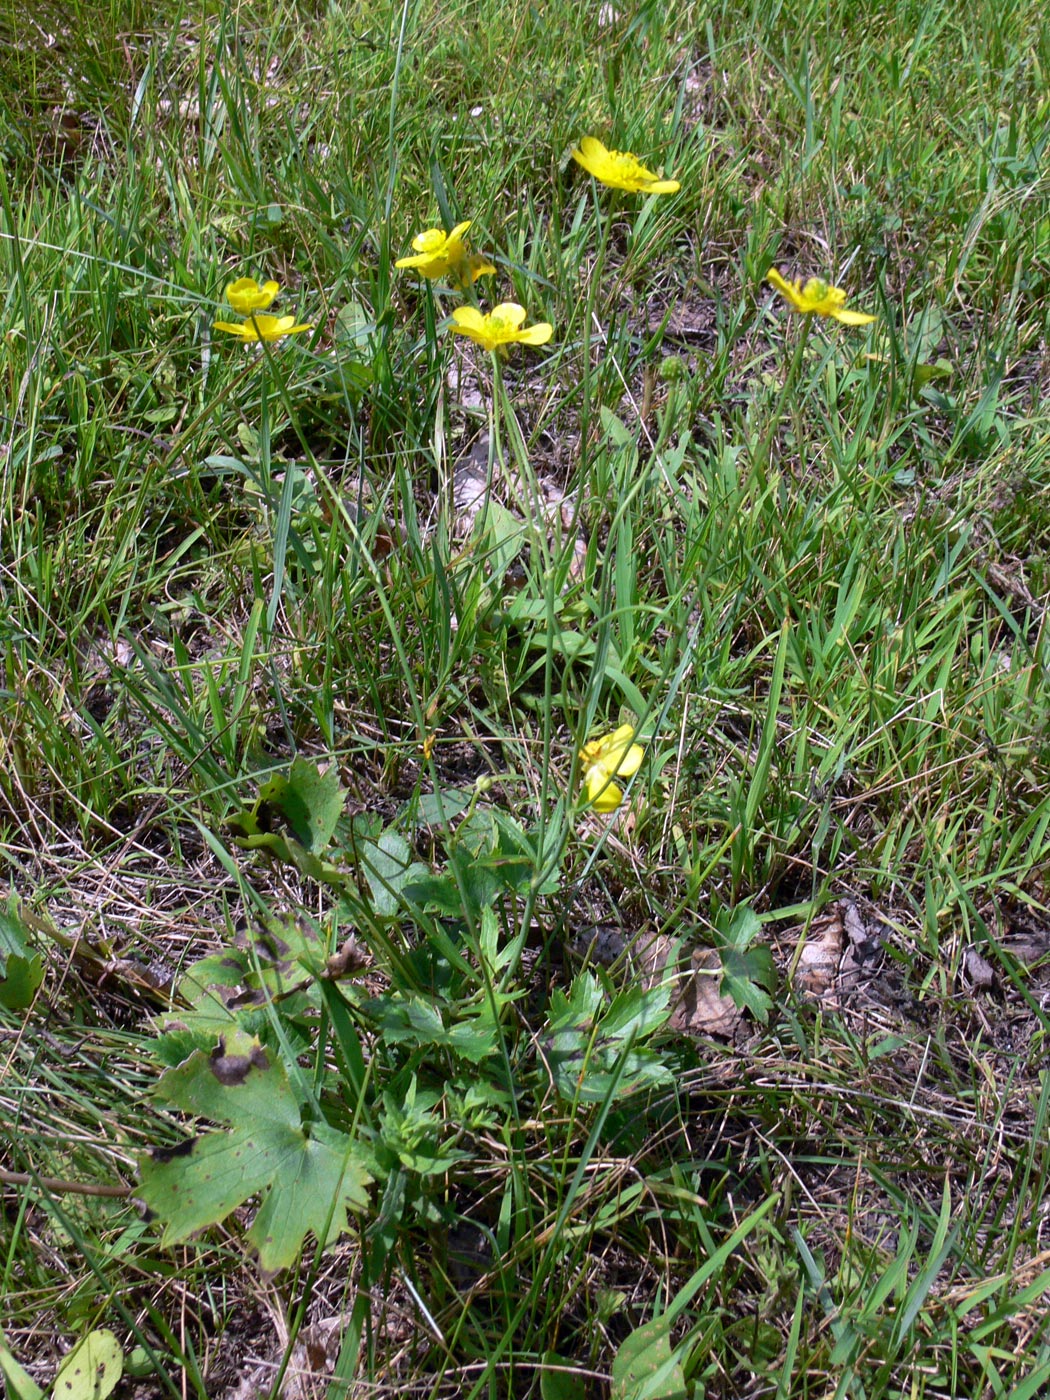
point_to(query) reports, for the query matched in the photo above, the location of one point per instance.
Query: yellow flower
(615, 755)
(817, 298)
(438, 254)
(620, 170)
(501, 326)
(262, 327)
(245, 295)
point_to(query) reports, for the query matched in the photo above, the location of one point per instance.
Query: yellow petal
(538, 334)
(622, 756)
(429, 241)
(631, 761)
(273, 327)
(509, 312)
(262, 327)
(475, 266)
(590, 152)
(457, 233)
(639, 172)
(593, 149)
(429, 264)
(617, 739)
(663, 187)
(616, 752)
(592, 155)
(468, 319)
(785, 288)
(854, 318)
(245, 295)
(609, 799)
(601, 792)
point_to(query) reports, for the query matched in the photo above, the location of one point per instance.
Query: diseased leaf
(818, 963)
(308, 1175)
(92, 1369)
(228, 991)
(978, 970)
(646, 1368)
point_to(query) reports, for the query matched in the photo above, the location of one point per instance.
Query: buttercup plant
(614, 755)
(500, 327)
(319, 659)
(262, 327)
(817, 298)
(620, 170)
(252, 300)
(246, 295)
(812, 298)
(438, 254)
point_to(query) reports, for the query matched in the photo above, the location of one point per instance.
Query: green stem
(595, 283)
(764, 452)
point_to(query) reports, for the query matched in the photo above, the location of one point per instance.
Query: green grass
(810, 563)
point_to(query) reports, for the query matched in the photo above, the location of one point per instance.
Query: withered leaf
(697, 1007)
(978, 970)
(818, 963)
(350, 958)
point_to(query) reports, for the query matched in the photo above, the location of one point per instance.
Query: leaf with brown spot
(308, 1175)
(92, 1369)
(234, 1069)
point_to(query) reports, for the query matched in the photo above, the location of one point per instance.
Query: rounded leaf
(92, 1369)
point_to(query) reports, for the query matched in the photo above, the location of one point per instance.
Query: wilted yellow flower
(439, 254)
(262, 327)
(817, 298)
(501, 326)
(615, 755)
(245, 295)
(620, 170)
